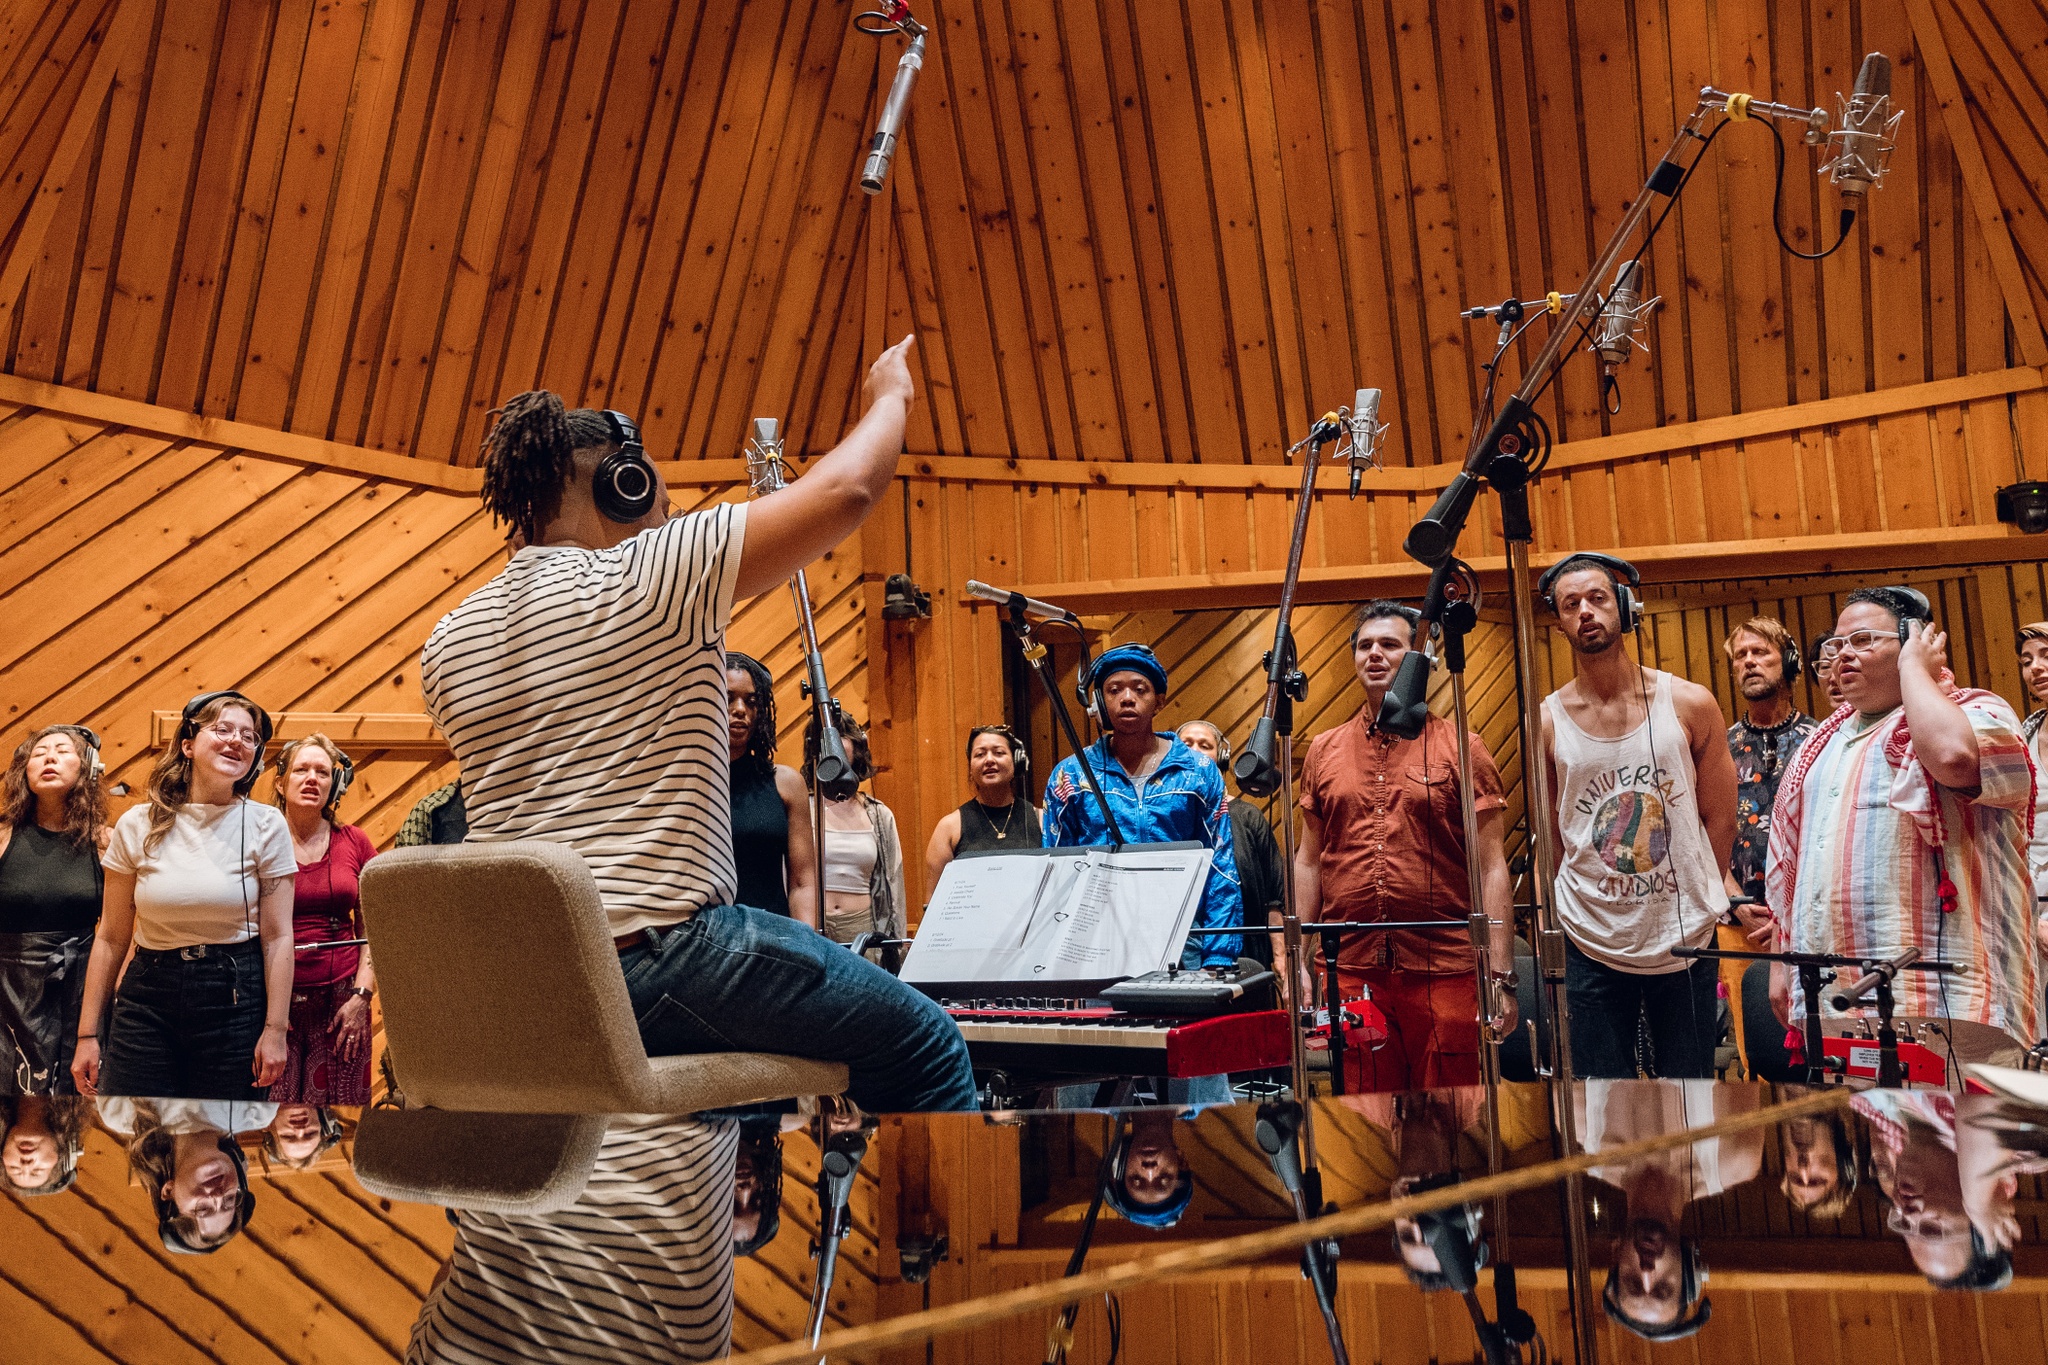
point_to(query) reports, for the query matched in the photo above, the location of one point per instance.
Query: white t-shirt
(583, 692)
(637, 1269)
(2037, 844)
(203, 882)
(118, 1112)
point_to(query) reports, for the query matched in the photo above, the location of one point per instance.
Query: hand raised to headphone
(1925, 649)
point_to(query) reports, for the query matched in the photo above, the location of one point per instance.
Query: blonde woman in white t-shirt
(200, 882)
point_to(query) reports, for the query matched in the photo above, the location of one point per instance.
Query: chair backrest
(490, 1163)
(501, 986)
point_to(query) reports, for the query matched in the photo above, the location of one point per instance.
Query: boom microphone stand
(838, 1166)
(1036, 655)
(1506, 455)
(832, 776)
(1276, 1129)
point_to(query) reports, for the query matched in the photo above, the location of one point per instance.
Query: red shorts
(1432, 1031)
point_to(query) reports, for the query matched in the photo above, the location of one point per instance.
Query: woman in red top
(327, 1057)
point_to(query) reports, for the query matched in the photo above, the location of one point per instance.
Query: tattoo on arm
(266, 885)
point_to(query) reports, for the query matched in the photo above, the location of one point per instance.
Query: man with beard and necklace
(1765, 660)
(1645, 800)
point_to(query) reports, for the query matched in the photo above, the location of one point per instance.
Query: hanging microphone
(1614, 337)
(1044, 611)
(890, 126)
(1366, 430)
(1865, 137)
(765, 473)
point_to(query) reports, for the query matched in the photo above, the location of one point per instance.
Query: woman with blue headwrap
(1161, 790)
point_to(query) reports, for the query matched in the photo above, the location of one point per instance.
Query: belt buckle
(193, 952)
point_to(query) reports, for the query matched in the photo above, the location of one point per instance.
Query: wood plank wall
(1125, 240)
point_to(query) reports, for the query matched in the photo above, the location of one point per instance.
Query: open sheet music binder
(1056, 922)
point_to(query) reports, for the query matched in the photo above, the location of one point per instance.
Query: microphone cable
(1777, 202)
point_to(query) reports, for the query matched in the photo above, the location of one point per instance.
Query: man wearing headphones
(993, 820)
(583, 691)
(1644, 788)
(1162, 791)
(1903, 823)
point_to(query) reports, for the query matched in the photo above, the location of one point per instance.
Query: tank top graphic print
(1638, 877)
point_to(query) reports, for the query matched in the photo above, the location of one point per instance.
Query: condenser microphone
(890, 126)
(1005, 597)
(1614, 337)
(1366, 430)
(1864, 137)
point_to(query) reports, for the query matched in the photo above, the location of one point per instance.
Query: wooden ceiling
(1123, 230)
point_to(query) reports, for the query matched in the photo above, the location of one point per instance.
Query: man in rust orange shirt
(1383, 838)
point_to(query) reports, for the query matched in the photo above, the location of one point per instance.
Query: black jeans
(731, 979)
(1607, 1005)
(185, 1025)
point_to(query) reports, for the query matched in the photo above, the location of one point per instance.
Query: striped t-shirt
(583, 692)
(638, 1269)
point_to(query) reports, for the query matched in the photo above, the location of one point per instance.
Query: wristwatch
(360, 992)
(1512, 980)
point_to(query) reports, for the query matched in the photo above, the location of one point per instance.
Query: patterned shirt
(1761, 757)
(1181, 801)
(1866, 881)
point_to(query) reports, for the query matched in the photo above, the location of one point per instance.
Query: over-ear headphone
(1695, 1309)
(1627, 587)
(92, 767)
(1907, 604)
(624, 485)
(188, 728)
(1790, 659)
(167, 1209)
(1019, 755)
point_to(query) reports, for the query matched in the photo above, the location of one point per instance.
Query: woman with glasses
(52, 829)
(199, 881)
(327, 1051)
(185, 1154)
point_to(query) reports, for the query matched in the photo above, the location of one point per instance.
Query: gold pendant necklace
(1009, 814)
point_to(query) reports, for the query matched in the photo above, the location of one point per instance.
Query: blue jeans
(1606, 1007)
(733, 979)
(187, 1026)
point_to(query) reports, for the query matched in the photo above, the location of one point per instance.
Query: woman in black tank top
(771, 813)
(52, 827)
(995, 819)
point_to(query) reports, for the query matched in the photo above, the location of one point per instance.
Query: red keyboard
(1107, 1043)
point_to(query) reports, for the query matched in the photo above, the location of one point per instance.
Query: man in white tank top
(1645, 799)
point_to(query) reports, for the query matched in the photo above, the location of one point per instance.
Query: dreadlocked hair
(529, 455)
(759, 758)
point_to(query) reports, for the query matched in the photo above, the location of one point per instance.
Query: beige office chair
(491, 1163)
(502, 993)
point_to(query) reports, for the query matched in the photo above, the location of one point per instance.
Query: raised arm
(788, 529)
(1943, 738)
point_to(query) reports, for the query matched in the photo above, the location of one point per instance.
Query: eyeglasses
(227, 733)
(1932, 1226)
(1860, 641)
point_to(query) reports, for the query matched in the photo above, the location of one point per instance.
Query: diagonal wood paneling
(1126, 234)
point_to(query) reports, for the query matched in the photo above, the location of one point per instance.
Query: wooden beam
(1776, 558)
(376, 464)
(124, 41)
(1962, 133)
(399, 735)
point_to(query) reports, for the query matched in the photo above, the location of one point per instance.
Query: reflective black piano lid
(1871, 1227)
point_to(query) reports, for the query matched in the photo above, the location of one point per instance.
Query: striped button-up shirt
(1868, 884)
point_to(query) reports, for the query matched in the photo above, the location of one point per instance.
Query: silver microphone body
(1365, 433)
(1044, 611)
(1614, 337)
(890, 126)
(1864, 137)
(765, 472)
